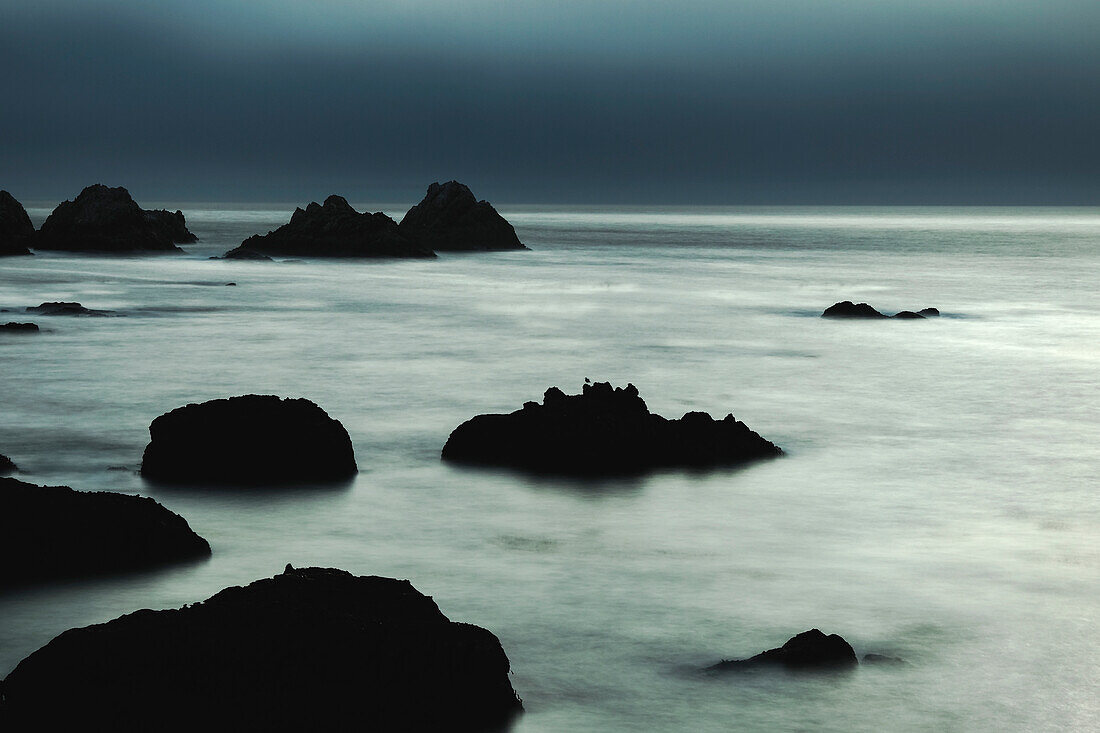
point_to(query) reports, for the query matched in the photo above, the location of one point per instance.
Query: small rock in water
(810, 650)
(19, 327)
(65, 309)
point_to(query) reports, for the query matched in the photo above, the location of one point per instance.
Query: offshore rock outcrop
(53, 532)
(332, 229)
(64, 309)
(603, 430)
(13, 327)
(848, 309)
(7, 465)
(810, 650)
(310, 649)
(451, 218)
(16, 229)
(249, 440)
(108, 220)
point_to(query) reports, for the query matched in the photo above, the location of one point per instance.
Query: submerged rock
(450, 218)
(103, 219)
(333, 229)
(248, 440)
(16, 229)
(12, 326)
(310, 649)
(603, 430)
(50, 532)
(64, 309)
(848, 309)
(7, 465)
(810, 650)
(884, 660)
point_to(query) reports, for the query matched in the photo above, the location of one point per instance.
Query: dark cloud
(716, 103)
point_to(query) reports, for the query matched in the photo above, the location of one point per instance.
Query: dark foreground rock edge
(250, 440)
(602, 431)
(310, 649)
(54, 532)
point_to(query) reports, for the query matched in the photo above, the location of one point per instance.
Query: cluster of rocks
(848, 309)
(449, 218)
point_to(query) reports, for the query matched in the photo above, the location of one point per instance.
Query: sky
(559, 101)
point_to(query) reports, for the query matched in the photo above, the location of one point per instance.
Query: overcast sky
(601, 101)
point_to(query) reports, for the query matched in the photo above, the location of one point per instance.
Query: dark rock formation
(16, 229)
(7, 465)
(884, 660)
(12, 326)
(848, 309)
(249, 440)
(103, 219)
(243, 254)
(64, 309)
(929, 312)
(333, 230)
(602, 431)
(910, 315)
(49, 532)
(310, 649)
(450, 218)
(810, 650)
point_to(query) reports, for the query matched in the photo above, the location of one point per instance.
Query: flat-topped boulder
(249, 440)
(7, 465)
(310, 649)
(333, 229)
(810, 650)
(603, 430)
(108, 220)
(57, 308)
(54, 532)
(848, 309)
(14, 327)
(16, 229)
(451, 218)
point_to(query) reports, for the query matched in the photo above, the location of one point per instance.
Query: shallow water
(937, 500)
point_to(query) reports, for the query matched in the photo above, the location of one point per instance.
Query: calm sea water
(938, 500)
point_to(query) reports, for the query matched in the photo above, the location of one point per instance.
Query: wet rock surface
(310, 649)
(108, 220)
(450, 218)
(53, 532)
(332, 229)
(16, 229)
(603, 430)
(810, 650)
(250, 440)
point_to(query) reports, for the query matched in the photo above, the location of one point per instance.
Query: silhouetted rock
(907, 315)
(848, 309)
(49, 532)
(249, 440)
(12, 326)
(450, 218)
(603, 430)
(243, 254)
(334, 229)
(310, 649)
(103, 219)
(809, 650)
(929, 312)
(64, 309)
(884, 660)
(16, 229)
(7, 465)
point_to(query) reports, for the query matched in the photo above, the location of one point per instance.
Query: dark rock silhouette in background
(848, 309)
(249, 440)
(450, 218)
(310, 649)
(334, 229)
(13, 327)
(603, 430)
(810, 650)
(64, 309)
(243, 254)
(108, 220)
(7, 465)
(51, 532)
(16, 229)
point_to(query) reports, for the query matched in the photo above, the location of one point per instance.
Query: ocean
(937, 500)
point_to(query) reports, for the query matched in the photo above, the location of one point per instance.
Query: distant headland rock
(603, 430)
(16, 229)
(7, 465)
(310, 649)
(332, 229)
(848, 309)
(451, 218)
(53, 532)
(250, 440)
(810, 650)
(108, 220)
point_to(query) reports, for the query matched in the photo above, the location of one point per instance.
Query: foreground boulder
(103, 219)
(450, 218)
(603, 430)
(16, 229)
(332, 229)
(64, 309)
(848, 309)
(249, 440)
(13, 327)
(810, 650)
(49, 532)
(311, 649)
(7, 465)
